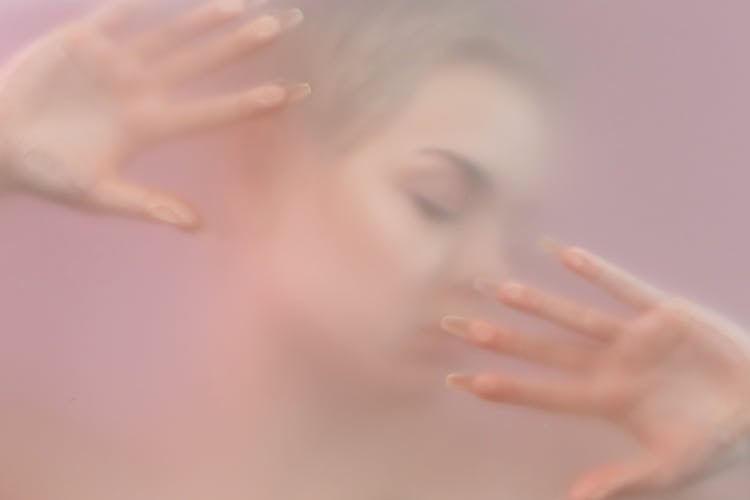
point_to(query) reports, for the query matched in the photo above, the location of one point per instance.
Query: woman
(383, 198)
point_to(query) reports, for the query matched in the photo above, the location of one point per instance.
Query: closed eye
(438, 189)
(434, 210)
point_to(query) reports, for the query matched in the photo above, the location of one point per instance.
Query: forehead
(479, 113)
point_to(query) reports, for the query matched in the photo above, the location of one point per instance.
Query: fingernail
(456, 326)
(174, 216)
(459, 381)
(271, 95)
(231, 6)
(266, 26)
(298, 92)
(486, 287)
(574, 257)
(255, 4)
(290, 18)
(551, 245)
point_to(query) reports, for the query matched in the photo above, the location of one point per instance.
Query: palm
(674, 358)
(76, 104)
(75, 115)
(674, 376)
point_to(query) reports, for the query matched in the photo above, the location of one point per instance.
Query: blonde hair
(364, 58)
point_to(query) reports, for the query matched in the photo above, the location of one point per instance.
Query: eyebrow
(472, 170)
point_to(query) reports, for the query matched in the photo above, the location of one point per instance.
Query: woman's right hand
(79, 102)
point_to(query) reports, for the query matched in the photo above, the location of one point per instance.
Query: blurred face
(368, 253)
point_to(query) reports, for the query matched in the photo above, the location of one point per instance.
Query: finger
(125, 198)
(187, 26)
(547, 395)
(114, 14)
(638, 475)
(509, 343)
(104, 62)
(566, 313)
(226, 110)
(93, 50)
(254, 35)
(615, 281)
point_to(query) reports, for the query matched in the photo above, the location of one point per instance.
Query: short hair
(364, 58)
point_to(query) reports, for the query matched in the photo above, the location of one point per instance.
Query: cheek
(380, 228)
(364, 253)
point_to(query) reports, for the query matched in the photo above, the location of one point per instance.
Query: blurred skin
(364, 251)
(369, 248)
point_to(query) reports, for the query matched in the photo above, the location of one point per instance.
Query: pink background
(99, 319)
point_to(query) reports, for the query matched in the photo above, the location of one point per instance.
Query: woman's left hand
(675, 376)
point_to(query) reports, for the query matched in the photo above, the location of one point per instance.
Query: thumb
(119, 196)
(646, 473)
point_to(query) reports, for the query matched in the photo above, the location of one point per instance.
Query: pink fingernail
(255, 4)
(173, 216)
(456, 325)
(459, 381)
(551, 245)
(271, 95)
(166, 215)
(298, 92)
(266, 27)
(291, 18)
